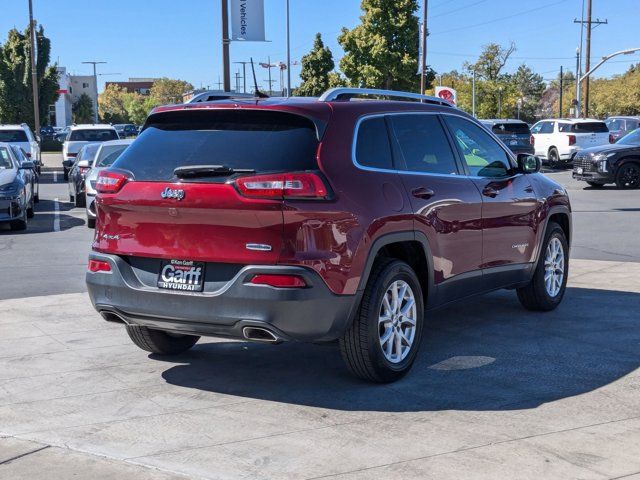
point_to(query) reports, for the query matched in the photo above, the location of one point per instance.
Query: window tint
(109, 154)
(93, 135)
(547, 127)
(536, 128)
(372, 146)
(13, 136)
(615, 124)
(590, 127)
(260, 140)
(424, 144)
(511, 129)
(5, 159)
(482, 154)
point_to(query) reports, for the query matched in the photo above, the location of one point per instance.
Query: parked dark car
(515, 134)
(126, 130)
(47, 132)
(617, 163)
(619, 126)
(78, 172)
(318, 220)
(16, 188)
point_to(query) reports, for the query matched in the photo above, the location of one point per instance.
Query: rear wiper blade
(193, 171)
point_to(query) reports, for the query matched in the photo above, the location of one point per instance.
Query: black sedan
(617, 163)
(16, 190)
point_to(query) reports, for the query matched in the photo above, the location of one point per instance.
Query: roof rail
(345, 93)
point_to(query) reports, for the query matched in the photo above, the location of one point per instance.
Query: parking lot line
(56, 214)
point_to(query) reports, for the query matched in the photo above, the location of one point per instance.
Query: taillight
(572, 139)
(283, 185)
(110, 181)
(72, 154)
(279, 281)
(532, 140)
(28, 154)
(96, 266)
(612, 138)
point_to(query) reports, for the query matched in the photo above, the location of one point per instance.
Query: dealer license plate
(181, 275)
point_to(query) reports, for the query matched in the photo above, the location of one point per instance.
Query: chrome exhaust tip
(260, 334)
(112, 317)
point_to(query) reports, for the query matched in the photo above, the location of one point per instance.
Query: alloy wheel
(554, 267)
(397, 321)
(630, 176)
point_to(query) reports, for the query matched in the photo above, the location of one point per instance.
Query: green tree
(83, 109)
(16, 98)
(382, 52)
(491, 61)
(111, 105)
(167, 91)
(138, 107)
(317, 66)
(529, 87)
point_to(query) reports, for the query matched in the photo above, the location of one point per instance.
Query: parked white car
(22, 136)
(558, 140)
(80, 135)
(104, 158)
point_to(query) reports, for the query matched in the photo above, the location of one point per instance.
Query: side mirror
(27, 166)
(83, 164)
(528, 163)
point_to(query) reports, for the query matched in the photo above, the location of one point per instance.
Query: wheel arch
(561, 215)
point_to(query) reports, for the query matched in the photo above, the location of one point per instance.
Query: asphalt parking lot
(497, 392)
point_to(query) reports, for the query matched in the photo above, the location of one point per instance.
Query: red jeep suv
(318, 220)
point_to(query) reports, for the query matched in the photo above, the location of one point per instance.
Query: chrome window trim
(363, 118)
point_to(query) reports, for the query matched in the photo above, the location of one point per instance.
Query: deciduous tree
(167, 91)
(83, 109)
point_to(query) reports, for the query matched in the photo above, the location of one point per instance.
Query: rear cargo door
(514, 135)
(204, 217)
(590, 134)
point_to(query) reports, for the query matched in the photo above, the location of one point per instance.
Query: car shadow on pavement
(487, 354)
(44, 218)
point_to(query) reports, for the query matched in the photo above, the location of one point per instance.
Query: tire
(595, 185)
(66, 175)
(81, 200)
(159, 342)
(628, 176)
(362, 346)
(72, 199)
(91, 222)
(30, 212)
(536, 295)
(553, 157)
(20, 224)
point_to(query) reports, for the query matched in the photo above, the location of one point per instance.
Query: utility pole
(561, 91)
(288, 54)
(473, 94)
(95, 82)
(589, 25)
(423, 73)
(225, 46)
(34, 73)
(219, 83)
(244, 75)
(237, 81)
(576, 102)
(499, 102)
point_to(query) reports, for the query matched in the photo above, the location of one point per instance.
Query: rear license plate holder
(181, 276)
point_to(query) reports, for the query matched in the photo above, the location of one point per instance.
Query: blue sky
(154, 38)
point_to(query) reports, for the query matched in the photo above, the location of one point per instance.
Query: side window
(424, 144)
(564, 127)
(536, 128)
(483, 155)
(547, 127)
(372, 145)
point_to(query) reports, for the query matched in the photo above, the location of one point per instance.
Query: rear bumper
(310, 314)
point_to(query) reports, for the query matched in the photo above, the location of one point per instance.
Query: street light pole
(578, 73)
(34, 72)
(288, 54)
(95, 82)
(226, 67)
(473, 94)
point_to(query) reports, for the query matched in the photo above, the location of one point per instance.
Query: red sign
(62, 91)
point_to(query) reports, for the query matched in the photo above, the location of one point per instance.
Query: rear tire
(159, 342)
(554, 158)
(81, 200)
(366, 353)
(539, 295)
(628, 176)
(66, 175)
(91, 222)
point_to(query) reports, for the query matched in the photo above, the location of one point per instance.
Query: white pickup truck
(558, 140)
(80, 135)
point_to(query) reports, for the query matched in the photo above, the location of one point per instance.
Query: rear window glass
(13, 136)
(511, 129)
(259, 140)
(93, 135)
(584, 127)
(109, 154)
(372, 146)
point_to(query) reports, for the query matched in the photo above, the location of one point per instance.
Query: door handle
(490, 192)
(422, 192)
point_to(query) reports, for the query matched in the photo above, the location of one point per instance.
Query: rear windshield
(584, 127)
(239, 139)
(93, 135)
(511, 129)
(13, 136)
(109, 154)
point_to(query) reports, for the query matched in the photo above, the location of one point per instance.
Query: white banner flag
(247, 20)
(420, 32)
(446, 93)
